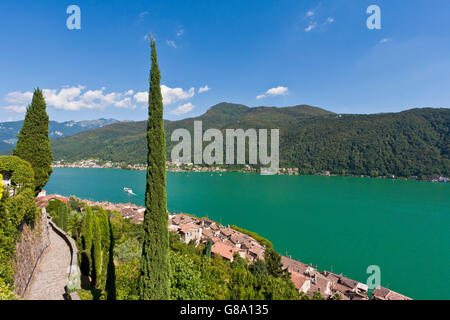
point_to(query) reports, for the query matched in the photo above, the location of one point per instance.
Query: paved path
(50, 276)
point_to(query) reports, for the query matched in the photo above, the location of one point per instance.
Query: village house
(381, 293)
(190, 232)
(320, 284)
(255, 251)
(301, 282)
(225, 251)
(297, 266)
(346, 285)
(226, 231)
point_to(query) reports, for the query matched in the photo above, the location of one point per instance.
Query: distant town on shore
(190, 167)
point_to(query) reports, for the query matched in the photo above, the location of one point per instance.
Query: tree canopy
(34, 144)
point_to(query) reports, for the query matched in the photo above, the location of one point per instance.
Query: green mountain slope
(413, 142)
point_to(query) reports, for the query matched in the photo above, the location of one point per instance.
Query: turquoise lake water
(341, 224)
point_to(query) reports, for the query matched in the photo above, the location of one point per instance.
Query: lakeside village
(227, 242)
(190, 167)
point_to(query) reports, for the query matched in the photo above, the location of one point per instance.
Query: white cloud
(277, 91)
(171, 43)
(172, 95)
(204, 89)
(141, 97)
(180, 32)
(385, 40)
(143, 14)
(16, 109)
(330, 20)
(71, 99)
(311, 26)
(310, 13)
(77, 98)
(183, 109)
(17, 97)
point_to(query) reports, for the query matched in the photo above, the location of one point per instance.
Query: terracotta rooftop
(293, 265)
(381, 293)
(224, 250)
(298, 279)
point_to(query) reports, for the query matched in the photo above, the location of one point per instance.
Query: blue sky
(270, 53)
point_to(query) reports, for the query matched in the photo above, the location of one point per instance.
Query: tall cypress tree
(34, 144)
(96, 255)
(86, 241)
(154, 275)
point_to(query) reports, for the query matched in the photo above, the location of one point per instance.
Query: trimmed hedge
(22, 173)
(22, 206)
(13, 212)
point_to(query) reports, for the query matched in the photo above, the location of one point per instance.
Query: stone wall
(29, 250)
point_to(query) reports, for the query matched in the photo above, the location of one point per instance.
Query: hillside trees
(415, 142)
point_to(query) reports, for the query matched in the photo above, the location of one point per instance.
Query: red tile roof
(224, 250)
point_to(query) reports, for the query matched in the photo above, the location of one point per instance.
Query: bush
(14, 211)
(5, 291)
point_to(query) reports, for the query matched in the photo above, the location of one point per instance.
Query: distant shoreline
(171, 167)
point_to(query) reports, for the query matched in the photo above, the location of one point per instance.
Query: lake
(341, 224)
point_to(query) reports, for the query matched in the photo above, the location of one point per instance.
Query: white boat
(128, 190)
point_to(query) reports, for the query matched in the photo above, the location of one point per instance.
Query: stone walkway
(50, 276)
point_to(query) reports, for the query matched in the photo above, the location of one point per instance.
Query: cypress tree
(63, 216)
(34, 144)
(1, 187)
(154, 269)
(87, 238)
(106, 244)
(96, 251)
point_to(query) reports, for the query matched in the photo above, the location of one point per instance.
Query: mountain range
(10, 130)
(415, 142)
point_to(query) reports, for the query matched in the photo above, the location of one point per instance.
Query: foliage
(317, 296)
(96, 252)
(22, 172)
(75, 204)
(129, 250)
(337, 296)
(273, 263)
(154, 274)
(34, 144)
(63, 217)
(185, 281)
(208, 249)
(86, 242)
(92, 230)
(5, 291)
(14, 211)
(127, 280)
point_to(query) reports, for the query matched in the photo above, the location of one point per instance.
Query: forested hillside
(410, 143)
